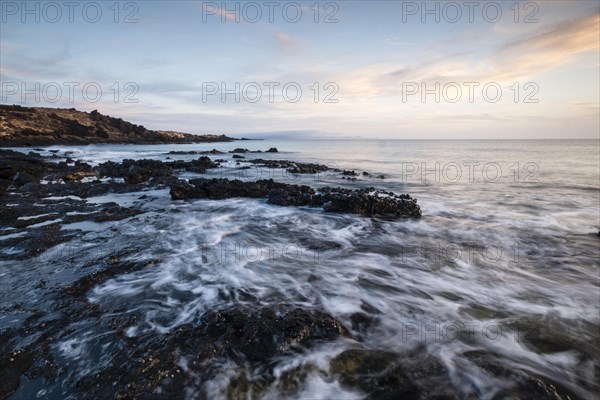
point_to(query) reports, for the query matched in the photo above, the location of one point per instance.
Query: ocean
(501, 270)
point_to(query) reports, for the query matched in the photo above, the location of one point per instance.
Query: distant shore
(39, 126)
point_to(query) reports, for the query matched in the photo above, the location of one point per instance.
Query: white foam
(35, 216)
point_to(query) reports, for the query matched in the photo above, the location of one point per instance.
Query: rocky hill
(37, 126)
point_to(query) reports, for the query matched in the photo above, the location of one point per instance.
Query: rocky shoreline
(39, 195)
(38, 126)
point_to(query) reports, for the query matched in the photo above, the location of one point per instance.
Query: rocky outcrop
(19, 168)
(137, 171)
(240, 150)
(37, 126)
(375, 372)
(192, 152)
(218, 189)
(262, 334)
(293, 167)
(366, 202)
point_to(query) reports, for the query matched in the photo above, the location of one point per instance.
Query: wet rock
(292, 195)
(181, 190)
(23, 223)
(375, 372)
(213, 151)
(12, 367)
(242, 335)
(79, 175)
(223, 188)
(138, 171)
(260, 335)
(113, 212)
(240, 150)
(366, 202)
(361, 322)
(29, 167)
(291, 166)
(238, 156)
(37, 241)
(23, 178)
(199, 165)
(111, 266)
(349, 173)
(134, 171)
(525, 384)
(181, 152)
(192, 152)
(272, 150)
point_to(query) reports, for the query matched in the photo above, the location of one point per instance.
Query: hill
(37, 126)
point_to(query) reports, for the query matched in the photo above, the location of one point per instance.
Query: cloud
(547, 50)
(511, 61)
(585, 109)
(285, 42)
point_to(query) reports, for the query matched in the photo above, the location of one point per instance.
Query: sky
(313, 69)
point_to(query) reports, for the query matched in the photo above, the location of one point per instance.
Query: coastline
(98, 243)
(38, 126)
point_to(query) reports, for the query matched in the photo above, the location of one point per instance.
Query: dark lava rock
(238, 156)
(375, 372)
(24, 171)
(192, 152)
(134, 171)
(272, 150)
(292, 195)
(245, 336)
(240, 150)
(29, 168)
(349, 173)
(138, 171)
(213, 151)
(182, 152)
(79, 175)
(526, 385)
(22, 178)
(369, 202)
(291, 166)
(224, 188)
(366, 202)
(114, 212)
(199, 165)
(260, 335)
